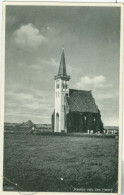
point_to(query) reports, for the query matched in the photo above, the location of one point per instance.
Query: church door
(57, 122)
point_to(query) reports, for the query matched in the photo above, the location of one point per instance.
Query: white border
(61, 3)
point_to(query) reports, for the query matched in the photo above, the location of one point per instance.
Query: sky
(35, 36)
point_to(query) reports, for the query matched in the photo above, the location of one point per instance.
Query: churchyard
(60, 163)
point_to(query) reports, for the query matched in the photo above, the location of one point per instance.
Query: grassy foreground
(60, 163)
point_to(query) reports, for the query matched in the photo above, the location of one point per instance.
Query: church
(75, 110)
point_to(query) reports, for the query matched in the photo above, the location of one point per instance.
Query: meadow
(60, 163)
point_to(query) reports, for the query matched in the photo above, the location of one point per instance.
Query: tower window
(57, 85)
(63, 85)
(85, 118)
(66, 86)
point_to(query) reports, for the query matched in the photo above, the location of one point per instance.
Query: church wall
(82, 122)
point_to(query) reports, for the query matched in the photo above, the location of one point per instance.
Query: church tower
(61, 90)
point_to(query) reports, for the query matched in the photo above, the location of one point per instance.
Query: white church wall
(59, 103)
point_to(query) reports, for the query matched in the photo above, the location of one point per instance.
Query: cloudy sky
(35, 36)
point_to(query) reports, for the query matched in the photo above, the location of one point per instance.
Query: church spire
(62, 67)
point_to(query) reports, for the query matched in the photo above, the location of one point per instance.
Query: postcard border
(54, 3)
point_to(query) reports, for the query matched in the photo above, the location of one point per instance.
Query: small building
(111, 129)
(41, 128)
(25, 126)
(45, 127)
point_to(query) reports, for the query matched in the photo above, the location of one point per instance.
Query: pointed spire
(62, 67)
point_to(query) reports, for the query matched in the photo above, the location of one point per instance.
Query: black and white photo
(62, 84)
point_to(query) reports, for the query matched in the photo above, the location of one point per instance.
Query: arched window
(57, 121)
(94, 119)
(57, 114)
(85, 118)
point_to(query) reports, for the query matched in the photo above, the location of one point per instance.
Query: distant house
(44, 126)
(26, 126)
(111, 129)
(39, 128)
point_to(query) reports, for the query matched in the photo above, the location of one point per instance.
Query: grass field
(60, 163)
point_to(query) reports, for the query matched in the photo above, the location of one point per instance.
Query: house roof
(81, 101)
(27, 124)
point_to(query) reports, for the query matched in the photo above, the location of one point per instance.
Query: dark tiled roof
(81, 101)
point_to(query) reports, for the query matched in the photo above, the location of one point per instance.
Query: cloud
(40, 63)
(35, 66)
(101, 96)
(30, 105)
(28, 37)
(43, 62)
(46, 28)
(29, 98)
(51, 62)
(91, 83)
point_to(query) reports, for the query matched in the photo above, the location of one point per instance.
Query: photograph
(62, 97)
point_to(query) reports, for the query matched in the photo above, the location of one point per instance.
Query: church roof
(62, 67)
(81, 101)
